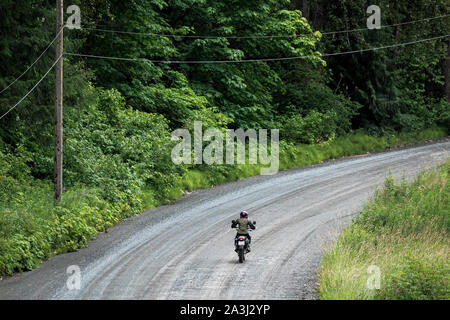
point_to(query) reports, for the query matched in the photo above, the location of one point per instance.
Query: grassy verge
(404, 231)
(33, 229)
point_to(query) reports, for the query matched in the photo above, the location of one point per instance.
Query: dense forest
(119, 114)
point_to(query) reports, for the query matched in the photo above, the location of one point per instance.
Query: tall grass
(404, 231)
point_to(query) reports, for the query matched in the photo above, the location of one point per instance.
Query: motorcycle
(241, 245)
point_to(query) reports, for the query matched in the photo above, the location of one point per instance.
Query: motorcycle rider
(243, 224)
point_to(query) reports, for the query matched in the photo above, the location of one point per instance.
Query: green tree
(397, 87)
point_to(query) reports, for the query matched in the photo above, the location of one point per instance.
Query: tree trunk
(313, 11)
(319, 16)
(447, 74)
(305, 8)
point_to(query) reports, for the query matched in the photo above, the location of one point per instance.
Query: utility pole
(447, 73)
(58, 156)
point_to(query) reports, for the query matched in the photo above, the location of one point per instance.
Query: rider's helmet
(244, 214)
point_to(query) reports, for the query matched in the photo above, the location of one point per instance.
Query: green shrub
(416, 278)
(315, 127)
(119, 148)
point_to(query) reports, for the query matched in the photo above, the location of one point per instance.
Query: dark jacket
(243, 225)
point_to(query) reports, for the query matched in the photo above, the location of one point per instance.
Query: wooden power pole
(58, 157)
(447, 73)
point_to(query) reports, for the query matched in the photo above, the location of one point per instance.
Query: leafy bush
(315, 127)
(15, 166)
(118, 148)
(441, 113)
(416, 278)
(313, 112)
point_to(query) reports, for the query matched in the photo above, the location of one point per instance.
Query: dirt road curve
(185, 250)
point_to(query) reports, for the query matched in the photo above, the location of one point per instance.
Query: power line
(252, 60)
(186, 36)
(40, 56)
(32, 89)
(253, 36)
(219, 61)
(387, 26)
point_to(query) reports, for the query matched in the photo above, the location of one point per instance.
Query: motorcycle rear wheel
(241, 255)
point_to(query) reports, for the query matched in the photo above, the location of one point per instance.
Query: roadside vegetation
(405, 232)
(295, 155)
(33, 228)
(119, 114)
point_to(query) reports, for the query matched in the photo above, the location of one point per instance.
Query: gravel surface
(185, 250)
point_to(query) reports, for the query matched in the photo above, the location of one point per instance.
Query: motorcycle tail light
(241, 238)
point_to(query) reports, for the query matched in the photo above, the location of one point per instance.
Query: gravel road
(185, 250)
